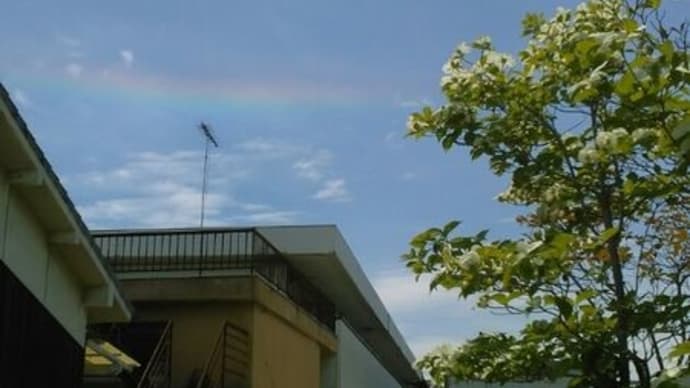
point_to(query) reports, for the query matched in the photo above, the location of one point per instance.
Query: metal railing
(200, 251)
(228, 364)
(158, 370)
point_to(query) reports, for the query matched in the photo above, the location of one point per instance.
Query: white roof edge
(352, 266)
(59, 195)
(338, 246)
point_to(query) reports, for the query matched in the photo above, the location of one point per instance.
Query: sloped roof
(56, 212)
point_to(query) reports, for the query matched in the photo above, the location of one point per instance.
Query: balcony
(212, 252)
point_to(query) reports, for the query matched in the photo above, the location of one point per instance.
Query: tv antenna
(209, 139)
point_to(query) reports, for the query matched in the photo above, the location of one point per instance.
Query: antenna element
(209, 138)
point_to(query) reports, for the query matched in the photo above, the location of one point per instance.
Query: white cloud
(269, 149)
(68, 41)
(414, 104)
(167, 204)
(313, 167)
(21, 99)
(267, 218)
(409, 175)
(333, 190)
(74, 70)
(422, 345)
(413, 306)
(402, 294)
(393, 136)
(395, 139)
(163, 189)
(153, 189)
(127, 57)
(506, 220)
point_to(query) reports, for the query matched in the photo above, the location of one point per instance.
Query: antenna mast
(209, 139)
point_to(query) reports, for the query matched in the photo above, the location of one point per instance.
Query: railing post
(223, 355)
(201, 252)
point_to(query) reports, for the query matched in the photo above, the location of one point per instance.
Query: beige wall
(26, 252)
(196, 327)
(282, 357)
(286, 343)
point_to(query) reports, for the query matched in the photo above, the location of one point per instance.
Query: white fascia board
(327, 240)
(41, 173)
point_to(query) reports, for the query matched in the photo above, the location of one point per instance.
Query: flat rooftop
(321, 256)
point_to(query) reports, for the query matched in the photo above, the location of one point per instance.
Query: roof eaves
(52, 176)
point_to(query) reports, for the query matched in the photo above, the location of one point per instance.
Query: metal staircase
(150, 343)
(229, 361)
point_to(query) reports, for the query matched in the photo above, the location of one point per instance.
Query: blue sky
(309, 101)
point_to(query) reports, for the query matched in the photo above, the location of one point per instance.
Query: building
(53, 280)
(251, 307)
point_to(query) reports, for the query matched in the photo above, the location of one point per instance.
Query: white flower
(612, 140)
(588, 155)
(603, 140)
(469, 259)
(463, 49)
(641, 134)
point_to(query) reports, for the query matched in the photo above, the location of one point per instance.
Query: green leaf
(669, 384)
(584, 46)
(625, 86)
(681, 349)
(629, 25)
(666, 49)
(584, 295)
(421, 239)
(652, 4)
(564, 307)
(449, 227)
(682, 129)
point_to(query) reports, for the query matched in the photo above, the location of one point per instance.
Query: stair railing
(157, 372)
(228, 364)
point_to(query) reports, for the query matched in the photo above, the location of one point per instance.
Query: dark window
(35, 350)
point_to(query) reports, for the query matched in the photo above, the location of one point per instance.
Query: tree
(591, 123)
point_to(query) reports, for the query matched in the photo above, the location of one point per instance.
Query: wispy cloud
(163, 189)
(402, 294)
(266, 218)
(74, 70)
(127, 57)
(152, 189)
(413, 306)
(506, 220)
(21, 98)
(409, 175)
(166, 204)
(414, 103)
(68, 41)
(333, 190)
(313, 166)
(270, 148)
(395, 139)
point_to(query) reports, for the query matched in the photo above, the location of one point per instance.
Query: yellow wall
(286, 343)
(196, 327)
(26, 252)
(282, 357)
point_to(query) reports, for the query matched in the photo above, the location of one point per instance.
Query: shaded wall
(356, 365)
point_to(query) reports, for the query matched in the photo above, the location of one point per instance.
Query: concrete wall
(25, 250)
(356, 366)
(282, 356)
